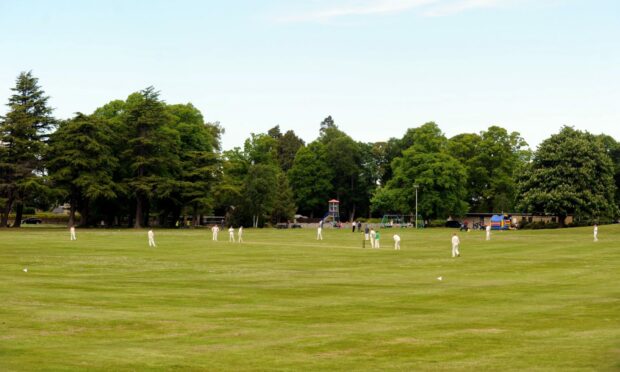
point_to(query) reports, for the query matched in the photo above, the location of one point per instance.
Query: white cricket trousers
(455, 250)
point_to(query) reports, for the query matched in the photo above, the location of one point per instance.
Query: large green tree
(441, 179)
(283, 204)
(261, 149)
(228, 191)
(199, 160)
(426, 138)
(612, 147)
(259, 191)
(151, 153)
(24, 132)
(288, 145)
(571, 174)
(114, 211)
(82, 163)
(311, 178)
(441, 182)
(354, 173)
(493, 159)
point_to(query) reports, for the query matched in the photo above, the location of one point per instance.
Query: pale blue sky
(377, 66)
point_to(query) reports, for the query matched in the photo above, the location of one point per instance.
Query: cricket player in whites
(319, 232)
(231, 234)
(373, 235)
(396, 242)
(240, 234)
(214, 231)
(488, 229)
(455, 246)
(595, 232)
(72, 231)
(151, 235)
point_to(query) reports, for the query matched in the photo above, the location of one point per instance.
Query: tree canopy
(24, 132)
(140, 161)
(571, 174)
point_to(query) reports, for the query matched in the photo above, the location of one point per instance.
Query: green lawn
(542, 300)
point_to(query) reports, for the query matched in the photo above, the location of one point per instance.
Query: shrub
(29, 210)
(538, 225)
(436, 223)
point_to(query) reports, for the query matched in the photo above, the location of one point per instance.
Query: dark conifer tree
(23, 137)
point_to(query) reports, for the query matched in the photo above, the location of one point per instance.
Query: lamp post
(416, 204)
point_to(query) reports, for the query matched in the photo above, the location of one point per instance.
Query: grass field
(535, 300)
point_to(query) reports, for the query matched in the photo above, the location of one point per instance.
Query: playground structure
(500, 222)
(333, 211)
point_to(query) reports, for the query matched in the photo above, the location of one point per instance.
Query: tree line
(141, 159)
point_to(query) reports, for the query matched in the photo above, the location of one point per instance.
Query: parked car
(454, 224)
(32, 220)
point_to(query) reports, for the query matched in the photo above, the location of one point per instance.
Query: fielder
(366, 233)
(214, 231)
(231, 234)
(488, 228)
(72, 231)
(151, 235)
(396, 242)
(240, 234)
(455, 246)
(595, 232)
(373, 234)
(377, 237)
(319, 232)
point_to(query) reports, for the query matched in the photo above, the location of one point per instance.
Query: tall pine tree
(23, 137)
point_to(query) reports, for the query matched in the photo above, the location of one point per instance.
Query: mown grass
(535, 300)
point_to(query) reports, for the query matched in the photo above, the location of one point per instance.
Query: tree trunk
(146, 213)
(139, 216)
(352, 216)
(84, 211)
(196, 218)
(19, 213)
(72, 208)
(7, 210)
(562, 220)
